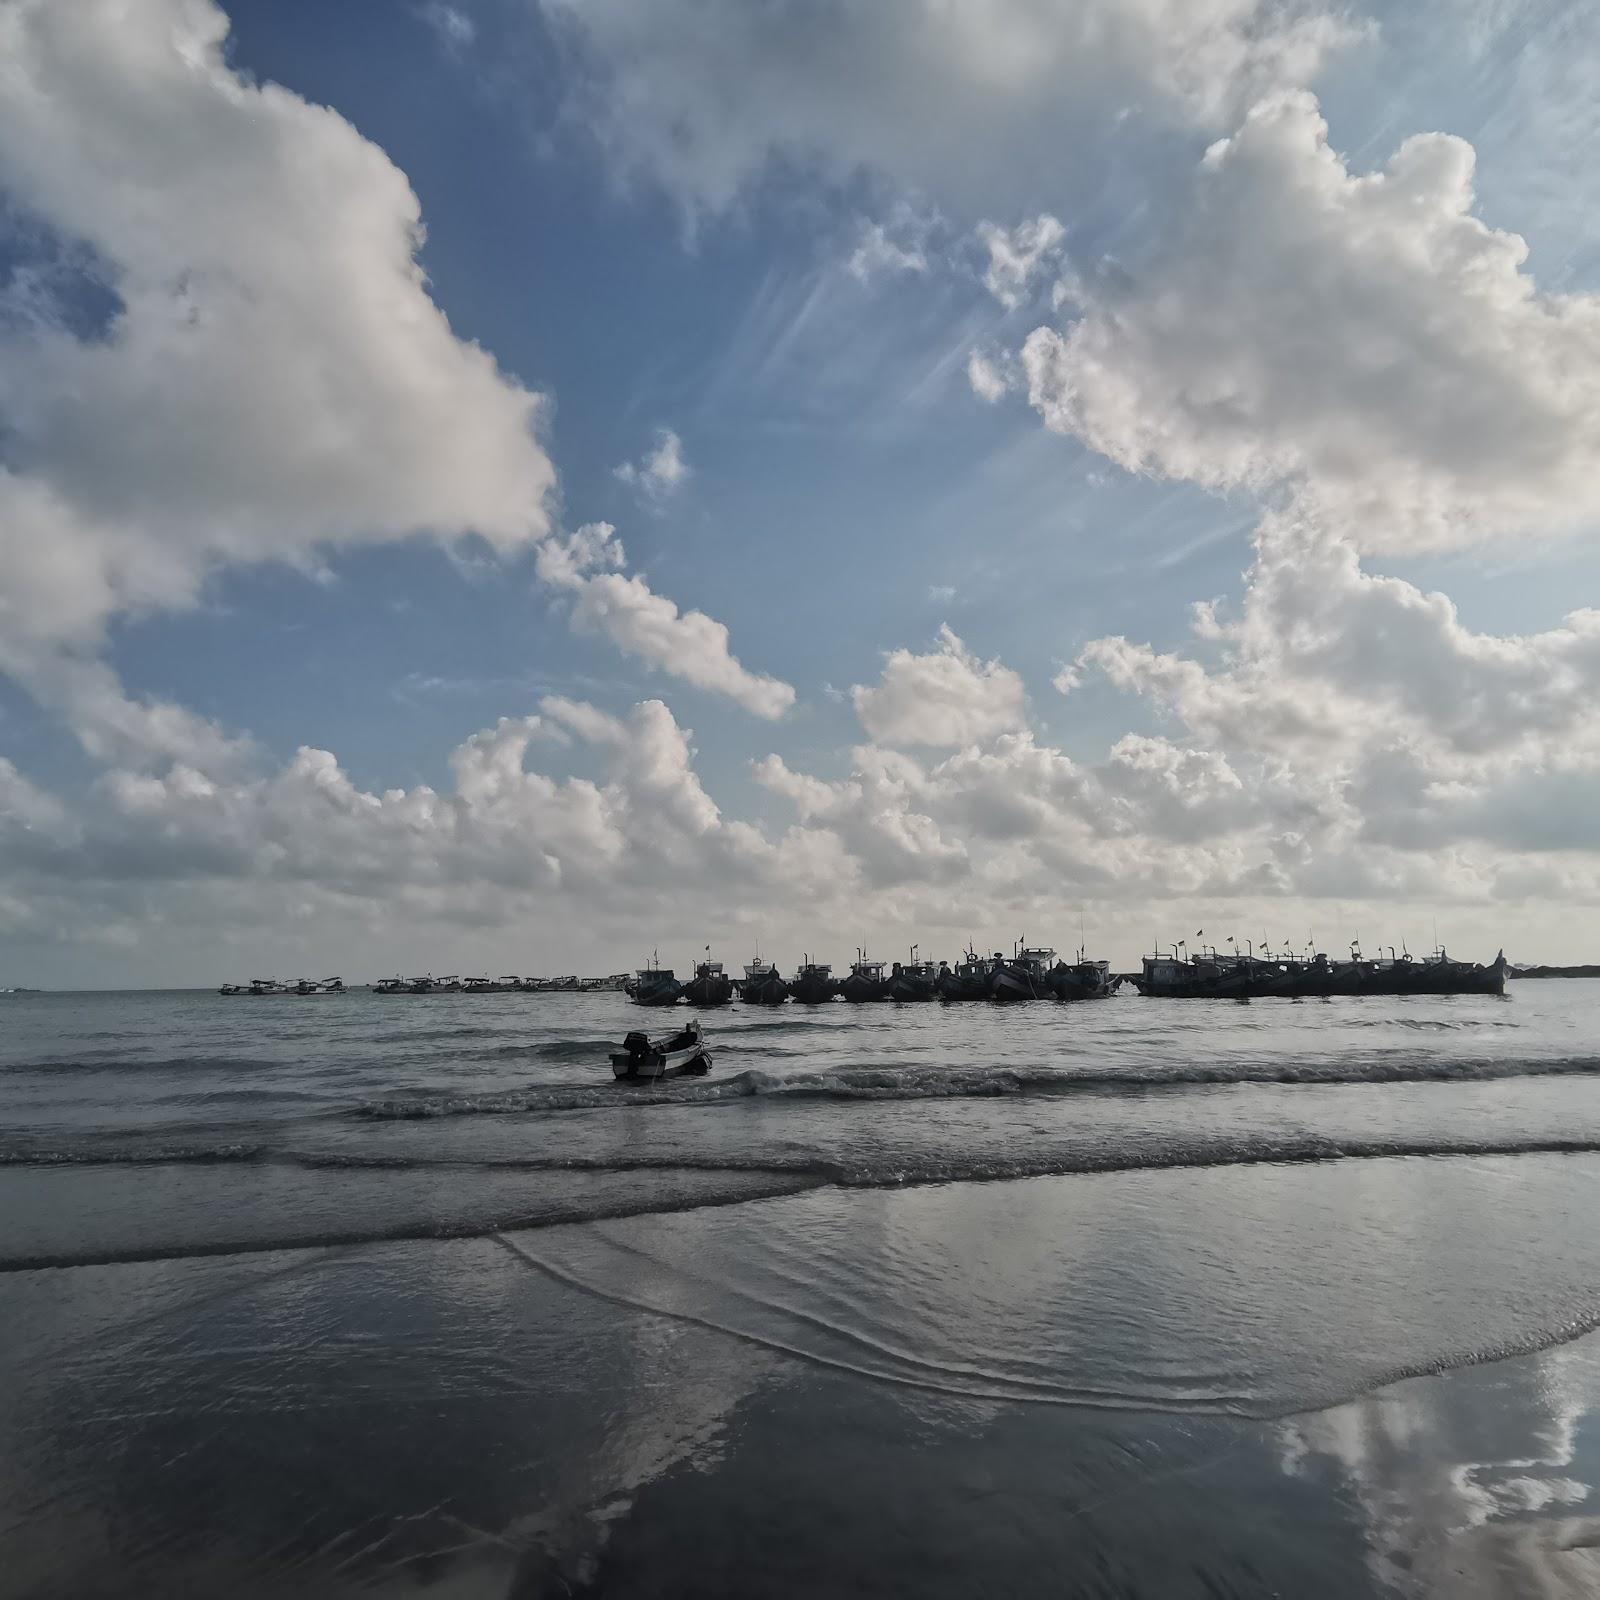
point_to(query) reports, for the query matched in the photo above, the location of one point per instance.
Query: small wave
(924, 1083)
(92, 1155)
(124, 1061)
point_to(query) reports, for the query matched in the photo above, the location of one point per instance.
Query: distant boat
(267, 986)
(866, 981)
(1023, 977)
(710, 985)
(968, 980)
(646, 1060)
(814, 983)
(762, 986)
(917, 980)
(655, 985)
(1081, 980)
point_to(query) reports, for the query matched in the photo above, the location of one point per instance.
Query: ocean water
(360, 1294)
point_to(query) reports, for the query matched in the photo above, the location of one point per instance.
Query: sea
(373, 1295)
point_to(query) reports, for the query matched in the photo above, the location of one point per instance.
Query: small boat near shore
(646, 1060)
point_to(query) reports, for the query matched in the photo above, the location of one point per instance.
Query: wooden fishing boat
(1024, 977)
(646, 1060)
(866, 981)
(710, 985)
(762, 986)
(814, 983)
(655, 985)
(1082, 979)
(915, 980)
(967, 980)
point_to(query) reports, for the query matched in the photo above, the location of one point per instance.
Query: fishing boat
(968, 979)
(390, 986)
(306, 986)
(227, 988)
(1082, 979)
(762, 986)
(710, 985)
(267, 986)
(814, 983)
(915, 980)
(866, 981)
(646, 1060)
(1024, 977)
(655, 985)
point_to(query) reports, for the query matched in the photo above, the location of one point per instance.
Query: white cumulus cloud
(274, 379)
(947, 697)
(1362, 338)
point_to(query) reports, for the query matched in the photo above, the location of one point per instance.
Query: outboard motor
(637, 1045)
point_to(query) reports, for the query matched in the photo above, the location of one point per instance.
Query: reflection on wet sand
(1477, 1484)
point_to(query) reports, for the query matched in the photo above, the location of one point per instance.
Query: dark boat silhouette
(710, 985)
(654, 985)
(866, 981)
(814, 983)
(762, 986)
(1024, 977)
(968, 980)
(917, 980)
(1081, 980)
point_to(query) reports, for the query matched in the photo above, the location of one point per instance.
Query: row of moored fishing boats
(1246, 975)
(1028, 973)
(510, 984)
(1036, 973)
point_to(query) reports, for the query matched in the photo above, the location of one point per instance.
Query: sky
(515, 485)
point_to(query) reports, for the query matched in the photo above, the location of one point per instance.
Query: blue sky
(1230, 370)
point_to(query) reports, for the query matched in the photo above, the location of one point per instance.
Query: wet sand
(458, 1418)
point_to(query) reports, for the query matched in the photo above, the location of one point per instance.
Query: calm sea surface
(361, 1294)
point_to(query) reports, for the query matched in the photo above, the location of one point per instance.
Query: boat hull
(662, 994)
(1089, 980)
(708, 991)
(1009, 986)
(862, 991)
(952, 987)
(812, 990)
